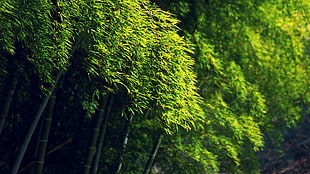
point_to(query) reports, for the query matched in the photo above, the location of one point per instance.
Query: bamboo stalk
(7, 103)
(34, 125)
(37, 146)
(125, 141)
(102, 136)
(49, 152)
(96, 129)
(44, 137)
(152, 155)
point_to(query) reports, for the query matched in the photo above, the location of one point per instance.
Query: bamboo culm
(49, 152)
(125, 141)
(37, 146)
(45, 133)
(152, 155)
(102, 136)
(34, 124)
(7, 103)
(96, 129)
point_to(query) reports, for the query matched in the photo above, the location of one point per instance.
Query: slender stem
(125, 141)
(34, 125)
(44, 137)
(102, 135)
(37, 146)
(49, 152)
(8, 102)
(152, 155)
(92, 146)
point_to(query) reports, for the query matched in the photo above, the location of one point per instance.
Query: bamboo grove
(138, 86)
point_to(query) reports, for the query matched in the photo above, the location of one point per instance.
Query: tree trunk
(92, 146)
(34, 125)
(152, 155)
(7, 103)
(102, 135)
(121, 155)
(44, 137)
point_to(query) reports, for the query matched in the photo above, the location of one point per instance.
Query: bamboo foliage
(112, 49)
(126, 63)
(36, 28)
(242, 71)
(238, 72)
(140, 54)
(7, 17)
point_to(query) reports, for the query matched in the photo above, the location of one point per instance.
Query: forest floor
(294, 155)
